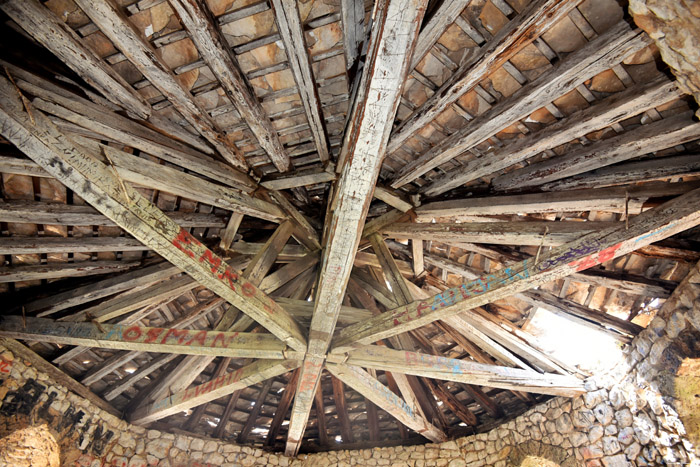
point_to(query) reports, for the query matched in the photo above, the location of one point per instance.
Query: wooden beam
(595, 57)
(607, 112)
(282, 408)
(417, 255)
(392, 199)
(212, 390)
(213, 47)
(661, 222)
(518, 33)
(455, 406)
(321, 416)
(341, 410)
(462, 371)
(395, 28)
(99, 186)
(31, 272)
(38, 245)
(128, 382)
(292, 34)
(658, 168)
(299, 178)
(286, 273)
(220, 430)
(305, 234)
(229, 233)
(145, 339)
(546, 233)
(353, 17)
(445, 15)
(253, 415)
(645, 139)
(62, 41)
(57, 376)
(125, 37)
(383, 397)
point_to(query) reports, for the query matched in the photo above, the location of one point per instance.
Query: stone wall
(675, 27)
(631, 416)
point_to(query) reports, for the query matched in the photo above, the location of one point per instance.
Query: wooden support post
(656, 224)
(463, 371)
(219, 57)
(116, 26)
(99, 185)
(383, 397)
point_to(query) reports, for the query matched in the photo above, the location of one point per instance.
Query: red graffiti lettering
(182, 240)
(131, 334)
(248, 289)
(594, 259)
(230, 277)
(200, 337)
(5, 365)
(220, 337)
(214, 262)
(152, 335)
(180, 334)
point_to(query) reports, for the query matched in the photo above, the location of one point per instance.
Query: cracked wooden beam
(396, 24)
(672, 217)
(204, 31)
(124, 35)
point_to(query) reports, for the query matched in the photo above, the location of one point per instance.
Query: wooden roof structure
(317, 224)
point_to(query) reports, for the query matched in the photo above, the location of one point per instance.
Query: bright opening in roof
(573, 343)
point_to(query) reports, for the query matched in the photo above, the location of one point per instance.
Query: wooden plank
(305, 233)
(31, 272)
(212, 390)
(299, 178)
(35, 212)
(608, 111)
(292, 33)
(125, 37)
(213, 48)
(392, 199)
(383, 397)
(302, 310)
(229, 233)
(658, 168)
(282, 408)
(395, 28)
(593, 58)
(445, 15)
(38, 245)
(341, 410)
(522, 30)
(98, 185)
(455, 406)
(145, 339)
(57, 376)
(286, 273)
(132, 280)
(220, 430)
(253, 415)
(353, 16)
(63, 42)
(378, 223)
(661, 222)
(417, 255)
(122, 385)
(463, 371)
(645, 139)
(499, 233)
(321, 416)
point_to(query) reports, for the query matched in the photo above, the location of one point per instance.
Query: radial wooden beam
(462, 371)
(98, 184)
(320, 416)
(600, 54)
(145, 339)
(609, 111)
(455, 406)
(443, 17)
(656, 224)
(31, 272)
(395, 28)
(353, 17)
(383, 397)
(253, 415)
(63, 42)
(212, 390)
(341, 410)
(300, 178)
(116, 26)
(282, 408)
(292, 34)
(518, 33)
(218, 55)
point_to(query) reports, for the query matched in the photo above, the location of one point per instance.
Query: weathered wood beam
(145, 339)
(445, 15)
(383, 397)
(117, 27)
(292, 33)
(392, 199)
(462, 371)
(220, 430)
(645, 139)
(219, 57)
(658, 168)
(299, 178)
(63, 42)
(395, 28)
(305, 233)
(455, 406)
(600, 54)
(353, 16)
(100, 186)
(289, 272)
(31, 272)
(212, 390)
(253, 415)
(303, 310)
(282, 408)
(229, 233)
(320, 416)
(661, 222)
(518, 33)
(418, 258)
(609, 111)
(341, 410)
(128, 382)
(546, 233)
(57, 376)
(35, 212)
(38, 245)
